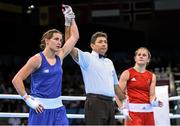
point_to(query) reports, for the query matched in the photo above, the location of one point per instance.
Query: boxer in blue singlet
(45, 68)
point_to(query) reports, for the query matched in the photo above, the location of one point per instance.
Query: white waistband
(50, 103)
(134, 107)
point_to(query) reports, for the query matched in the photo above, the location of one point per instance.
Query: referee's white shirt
(98, 74)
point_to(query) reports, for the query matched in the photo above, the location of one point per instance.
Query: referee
(100, 79)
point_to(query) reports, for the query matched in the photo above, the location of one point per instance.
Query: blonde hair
(149, 54)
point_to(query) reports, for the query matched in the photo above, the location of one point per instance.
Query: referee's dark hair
(96, 35)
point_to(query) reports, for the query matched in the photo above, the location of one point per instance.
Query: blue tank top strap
(44, 61)
(42, 55)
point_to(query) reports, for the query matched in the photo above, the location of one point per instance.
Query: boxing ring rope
(71, 98)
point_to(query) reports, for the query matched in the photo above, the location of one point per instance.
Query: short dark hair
(96, 35)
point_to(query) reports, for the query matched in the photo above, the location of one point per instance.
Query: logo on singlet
(133, 79)
(46, 71)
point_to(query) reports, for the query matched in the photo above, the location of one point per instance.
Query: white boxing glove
(68, 19)
(155, 102)
(68, 14)
(124, 109)
(32, 103)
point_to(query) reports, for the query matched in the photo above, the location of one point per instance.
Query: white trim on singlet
(50, 103)
(135, 107)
